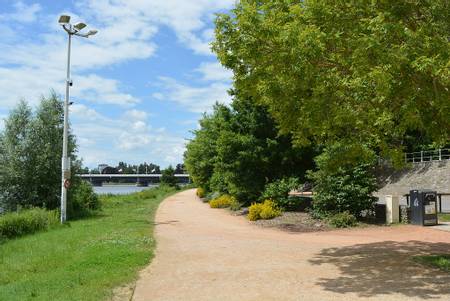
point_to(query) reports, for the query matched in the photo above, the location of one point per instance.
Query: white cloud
(195, 99)
(23, 13)
(84, 113)
(30, 83)
(188, 19)
(128, 137)
(97, 89)
(126, 29)
(212, 87)
(214, 72)
(32, 66)
(136, 114)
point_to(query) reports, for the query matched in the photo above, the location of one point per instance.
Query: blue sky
(140, 84)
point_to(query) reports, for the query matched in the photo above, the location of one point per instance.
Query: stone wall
(426, 175)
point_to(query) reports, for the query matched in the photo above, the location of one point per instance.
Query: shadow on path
(385, 268)
(166, 222)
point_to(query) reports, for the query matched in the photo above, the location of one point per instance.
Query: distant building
(101, 167)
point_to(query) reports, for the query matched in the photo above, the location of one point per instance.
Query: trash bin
(423, 207)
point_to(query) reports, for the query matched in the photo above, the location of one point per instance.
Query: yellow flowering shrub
(222, 201)
(201, 192)
(266, 210)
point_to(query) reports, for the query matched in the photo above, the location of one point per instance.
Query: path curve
(208, 254)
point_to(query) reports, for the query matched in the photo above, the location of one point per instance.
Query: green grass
(439, 261)
(444, 217)
(85, 259)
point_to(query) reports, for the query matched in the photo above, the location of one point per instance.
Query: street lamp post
(71, 30)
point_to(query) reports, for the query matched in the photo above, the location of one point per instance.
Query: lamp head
(64, 19)
(92, 32)
(80, 26)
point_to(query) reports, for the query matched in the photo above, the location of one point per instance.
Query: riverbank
(86, 259)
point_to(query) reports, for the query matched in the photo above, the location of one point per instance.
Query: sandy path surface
(208, 254)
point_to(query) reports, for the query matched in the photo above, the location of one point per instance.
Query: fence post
(440, 154)
(421, 156)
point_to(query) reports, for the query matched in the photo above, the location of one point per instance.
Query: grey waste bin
(423, 205)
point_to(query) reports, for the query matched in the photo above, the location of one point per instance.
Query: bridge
(139, 179)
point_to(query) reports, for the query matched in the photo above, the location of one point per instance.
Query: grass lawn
(444, 217)
(439, 261)
(85, 259)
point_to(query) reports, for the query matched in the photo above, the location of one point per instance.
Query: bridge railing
(428, 156)
(129, 175)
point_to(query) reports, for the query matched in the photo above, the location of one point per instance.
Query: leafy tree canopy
(30, 156)
(238, 150)
(359, 72)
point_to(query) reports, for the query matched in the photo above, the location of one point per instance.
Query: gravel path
(208, 254)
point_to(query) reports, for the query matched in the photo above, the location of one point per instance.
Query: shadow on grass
(89, 216)
(385, 268)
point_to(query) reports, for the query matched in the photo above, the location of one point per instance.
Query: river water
(120, 189)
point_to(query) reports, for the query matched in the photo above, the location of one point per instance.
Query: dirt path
(206, 254)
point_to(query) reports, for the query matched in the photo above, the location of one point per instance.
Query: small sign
(66, 183)
(67, 174)
(430, 209)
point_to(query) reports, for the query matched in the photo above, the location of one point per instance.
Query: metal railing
(428, 156)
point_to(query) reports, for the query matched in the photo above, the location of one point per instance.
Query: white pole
(65, 160)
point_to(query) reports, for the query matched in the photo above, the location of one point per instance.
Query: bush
(168, 177)
(266, 210)
(342, 220)
(278, 191)
(83, 200)
(201, 192)
(343, 184)
(19, 223)
(235, 205)
(254, 211)
(223, 201)
(212, 195)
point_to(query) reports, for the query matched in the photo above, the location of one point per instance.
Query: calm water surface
(120, 189)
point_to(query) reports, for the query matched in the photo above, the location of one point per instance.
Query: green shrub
(147, 194)
(278, 191)
(345, 181)
(235, 205)
(212, 195)
(168, 177)
(223, 201)
(266, 210)
(83, 201)
(201, 192)
(28, 221)
(342, 220)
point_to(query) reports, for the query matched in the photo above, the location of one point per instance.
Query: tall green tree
(168, 176)
(17, 159)
(251, 153)
(201, 152)
(46, 140)
(30, 154)
(363, 72)
(238, 150)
